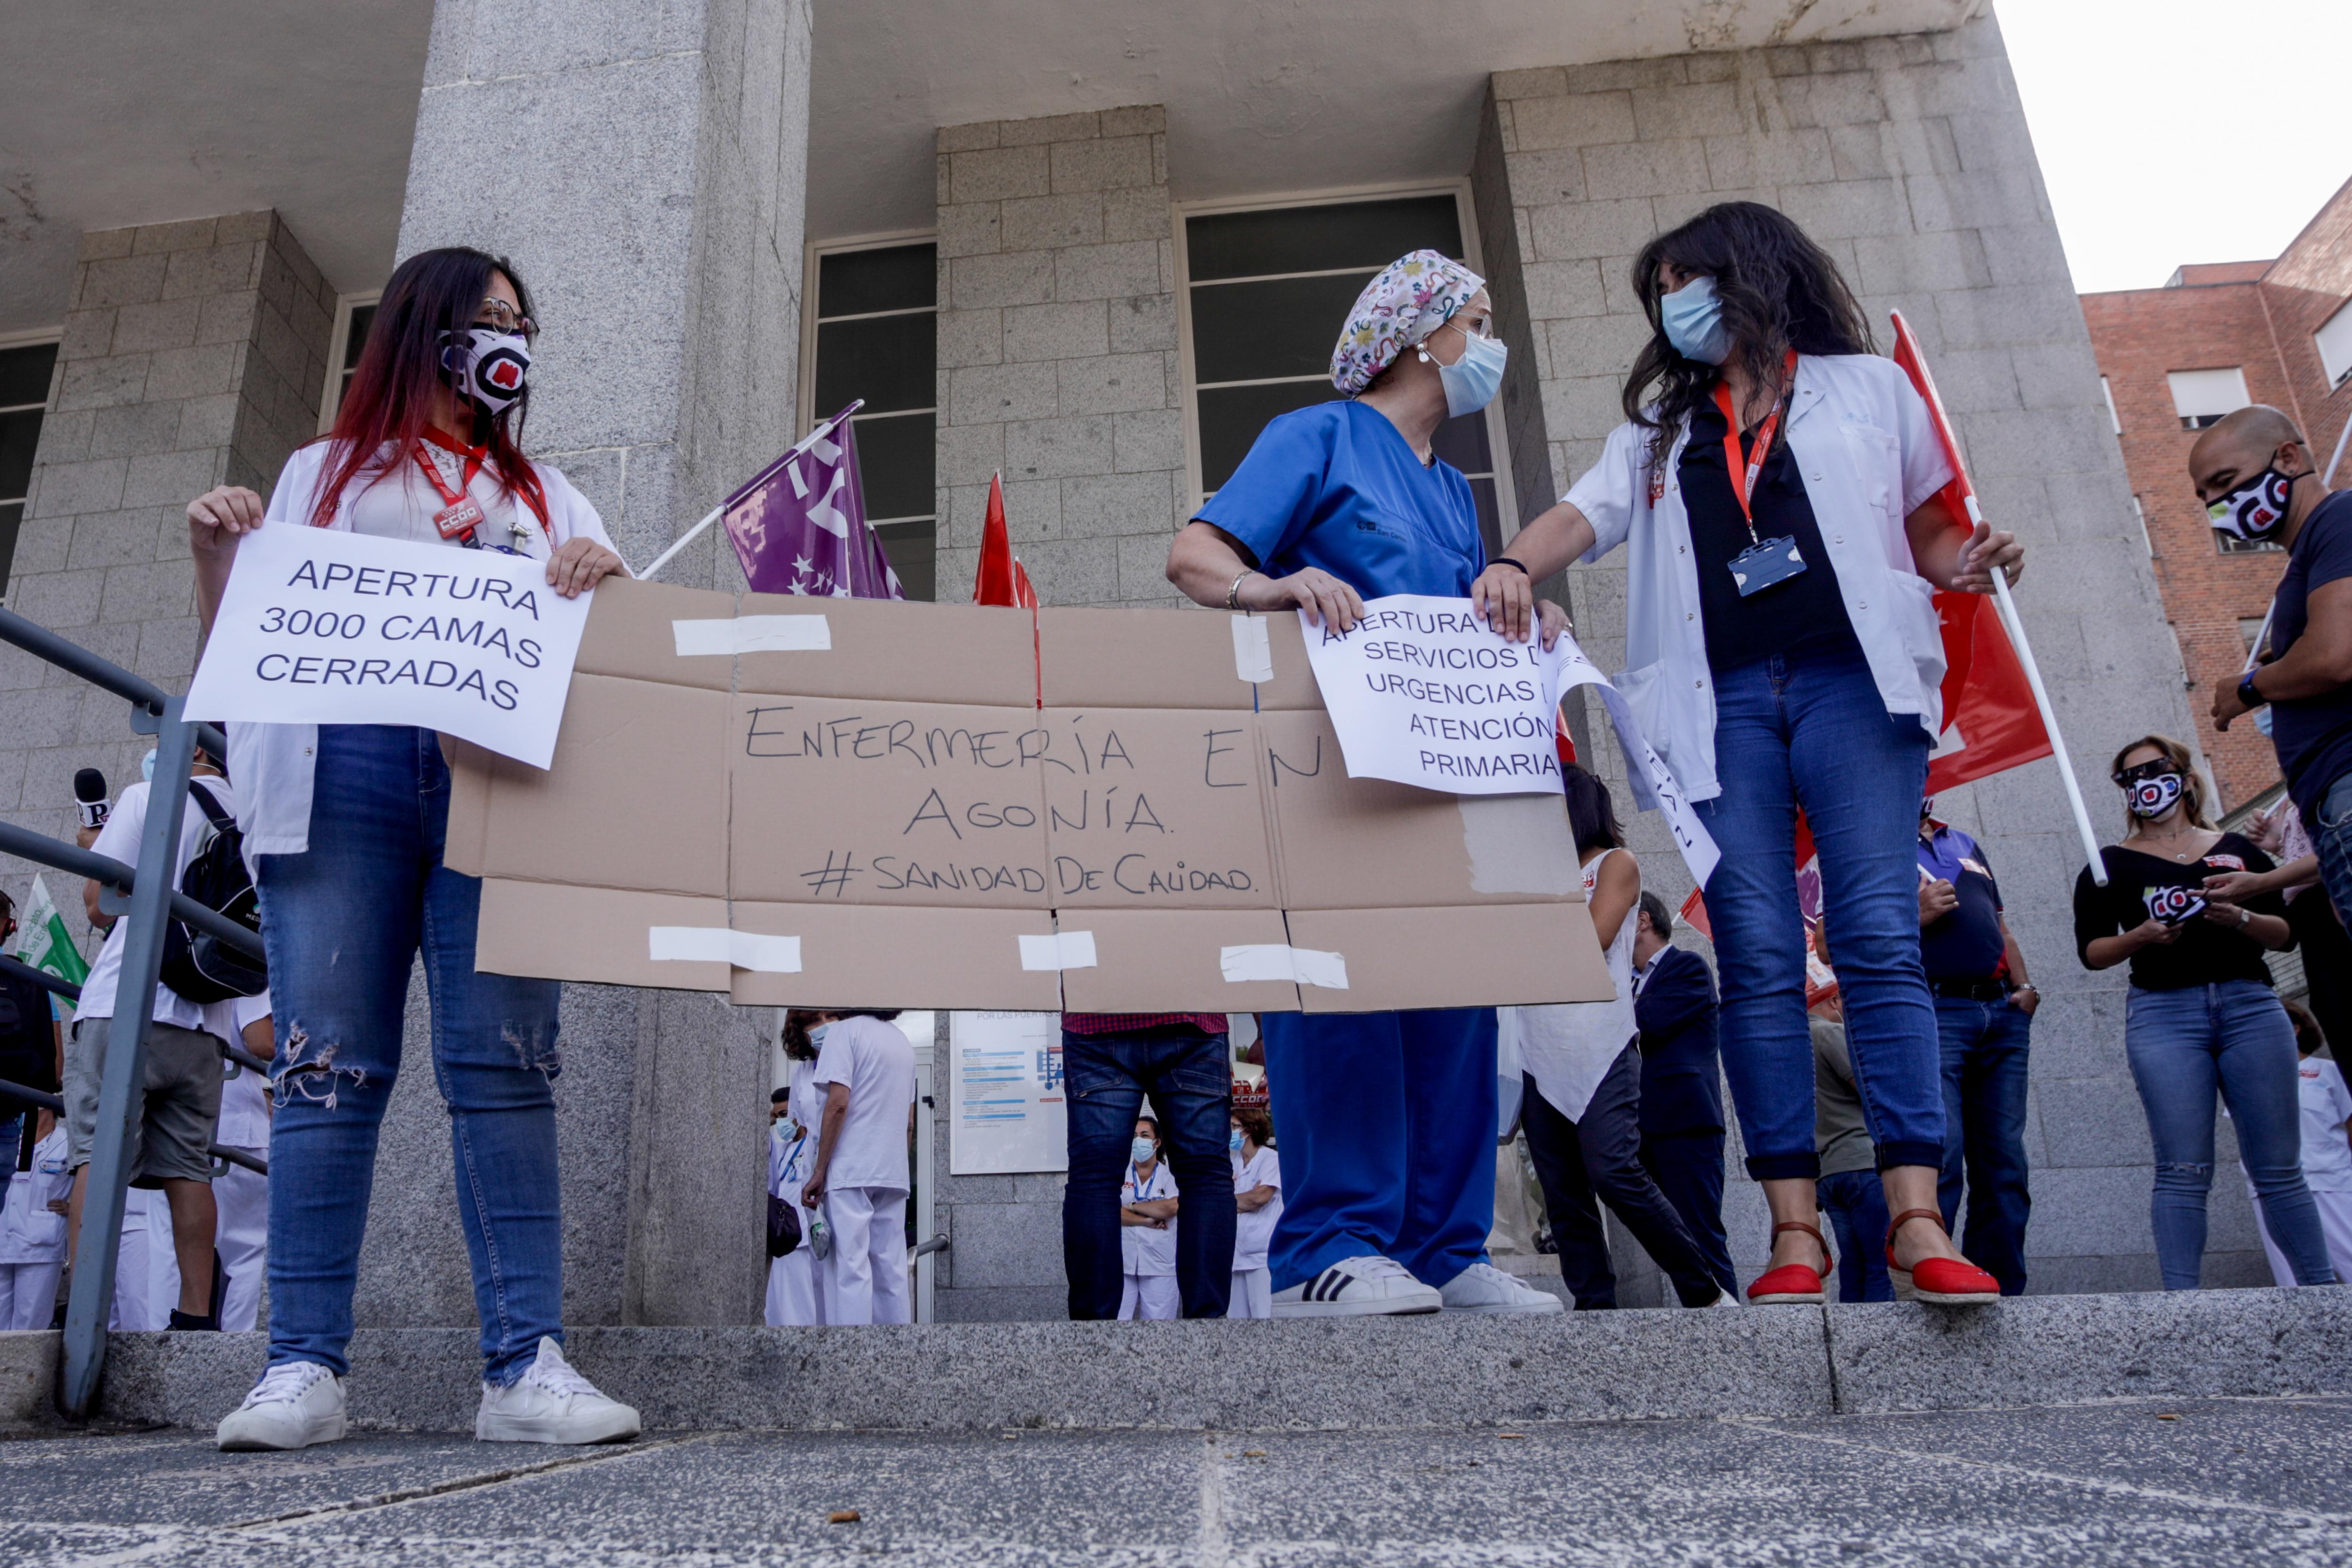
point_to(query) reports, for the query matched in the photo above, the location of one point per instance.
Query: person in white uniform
(794, 1114)
(33, 1233)
(1258, 1194)
(146, 1265)
(2326, 1150)
(859, 1181)
(1147, 1237)
(242, 1195)
(1582, 1104)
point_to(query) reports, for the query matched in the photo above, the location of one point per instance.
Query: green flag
(43, 941)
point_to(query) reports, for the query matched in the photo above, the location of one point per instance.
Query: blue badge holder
(1766, 565)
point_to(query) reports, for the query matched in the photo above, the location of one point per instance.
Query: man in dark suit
(1682, 1081)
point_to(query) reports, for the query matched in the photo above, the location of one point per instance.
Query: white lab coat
(793, 1294)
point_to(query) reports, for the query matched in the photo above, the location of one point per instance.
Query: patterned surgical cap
(1408, 300)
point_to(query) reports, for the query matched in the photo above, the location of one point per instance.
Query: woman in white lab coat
(1147, 1215)
(793, 1117)
(1258, 1193)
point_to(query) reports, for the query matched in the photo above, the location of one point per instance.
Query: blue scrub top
(1336, 486)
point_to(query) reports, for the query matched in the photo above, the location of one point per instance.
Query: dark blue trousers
(1688, 1168)
(1189, 1077)
(1984, 1050)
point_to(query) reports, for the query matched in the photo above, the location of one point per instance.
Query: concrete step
(1443, 1370)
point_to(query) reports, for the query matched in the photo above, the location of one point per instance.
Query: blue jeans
(1856, 1202)
(344, 922)
(1190, 1079)
(1387, 1124)
(2331, 835)
(1814, 733)
(2183, 1045)
(1984, 1133)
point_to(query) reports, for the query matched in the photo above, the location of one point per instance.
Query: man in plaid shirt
(1109, 1062)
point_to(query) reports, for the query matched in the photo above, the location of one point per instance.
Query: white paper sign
(1653, 782)
(1006, 1098)
(1422, 692)
(322, 627)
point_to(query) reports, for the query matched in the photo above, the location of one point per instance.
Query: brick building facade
(2265, 319)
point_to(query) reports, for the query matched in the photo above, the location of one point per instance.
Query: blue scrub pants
(1386, 1123)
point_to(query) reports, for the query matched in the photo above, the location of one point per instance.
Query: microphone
(89, 798)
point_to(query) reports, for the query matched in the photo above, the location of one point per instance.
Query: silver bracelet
(1233, 593)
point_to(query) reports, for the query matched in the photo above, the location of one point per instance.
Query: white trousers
(146, 1268)
(1150, 1296)
(1253, 1294)
(791, 1289)
(865, 1280)
(28, 1294)
(2334, 1224)
(243, 1238)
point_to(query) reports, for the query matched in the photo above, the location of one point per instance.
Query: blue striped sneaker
(1366, 1286)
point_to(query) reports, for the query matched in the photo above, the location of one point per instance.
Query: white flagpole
(688, 537)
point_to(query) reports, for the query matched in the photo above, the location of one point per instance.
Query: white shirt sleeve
(1926, 468)
(569, 509)
(291, 497)
(1607, 492)
(834, 1058)
(118, 839)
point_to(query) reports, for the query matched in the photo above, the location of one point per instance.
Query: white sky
(2176, 130)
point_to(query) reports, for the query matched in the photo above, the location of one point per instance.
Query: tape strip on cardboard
(1068, 950)
(1252, 654)
(1273, 961)
(751, 634)
(719, 944)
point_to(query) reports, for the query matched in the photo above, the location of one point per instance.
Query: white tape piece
(718, 945)
(1274, 961)
(751, 634)
(1070, 950)
(1253, 651)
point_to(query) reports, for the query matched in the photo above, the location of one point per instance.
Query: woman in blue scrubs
(1386, 1119)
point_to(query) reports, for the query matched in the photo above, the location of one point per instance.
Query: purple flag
(799, 526)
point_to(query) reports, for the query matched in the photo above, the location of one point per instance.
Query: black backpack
(197, 965)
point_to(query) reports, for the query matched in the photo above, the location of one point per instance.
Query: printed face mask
(2255, 509)
(1692, 319)
(2152, 798)
(1471, 380)
(487, 366)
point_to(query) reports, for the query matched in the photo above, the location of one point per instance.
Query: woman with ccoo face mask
(2201, 1014)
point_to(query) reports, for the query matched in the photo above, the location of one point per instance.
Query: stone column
(194, 355)
(1058, 352)
(644, 169)
(1909, 160)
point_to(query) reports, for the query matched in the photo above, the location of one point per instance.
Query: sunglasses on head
(2127, 777)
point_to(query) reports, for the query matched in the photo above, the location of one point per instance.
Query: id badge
(459, 518)
(1765, 565)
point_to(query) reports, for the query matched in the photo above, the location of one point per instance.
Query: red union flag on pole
(799, 527)
(1002, 579)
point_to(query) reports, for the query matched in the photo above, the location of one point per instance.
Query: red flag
(1991, 723)
(1023, 594)
(995, 584)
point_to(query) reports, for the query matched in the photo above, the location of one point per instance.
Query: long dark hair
(1779, 291)
(1592, 815)
(391, 390)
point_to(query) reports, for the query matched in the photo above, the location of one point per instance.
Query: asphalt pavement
(2145, 1484)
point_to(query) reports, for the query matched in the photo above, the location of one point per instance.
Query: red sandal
(1793, 1284)
(1938, 1281)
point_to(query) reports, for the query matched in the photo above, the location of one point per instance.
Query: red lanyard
(1746, 469)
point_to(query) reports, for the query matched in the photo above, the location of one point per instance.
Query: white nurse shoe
(1366, 1286)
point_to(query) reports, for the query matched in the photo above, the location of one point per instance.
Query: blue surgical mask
(147, 765)
(1142, 1149)
(816, 1036)
(1692, 319)
(1471, 380)
(1234, 1141)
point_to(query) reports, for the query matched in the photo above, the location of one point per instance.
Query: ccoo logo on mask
(486, 366)
(2173, 905)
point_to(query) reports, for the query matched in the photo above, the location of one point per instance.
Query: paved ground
(2198, 1482)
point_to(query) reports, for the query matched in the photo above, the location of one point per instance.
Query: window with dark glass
(1268, 291)
(24, 393)
(876, 321)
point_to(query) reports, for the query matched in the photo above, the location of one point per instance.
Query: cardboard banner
(322, 627)
(1423, 693)
(946, 805)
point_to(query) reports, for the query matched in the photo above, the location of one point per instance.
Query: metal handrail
(936, 1244)
(74, 659)
(72, 993)
(57, 1107)
(27, 844)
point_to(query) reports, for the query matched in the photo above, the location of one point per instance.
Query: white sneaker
(1724, 1300)
(295, 1404)
(1366, 1286)
(1483, 1288)
(552, 1404)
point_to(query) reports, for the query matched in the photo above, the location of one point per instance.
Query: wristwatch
(2247, 691)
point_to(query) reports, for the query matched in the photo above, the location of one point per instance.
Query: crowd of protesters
(1781, 495)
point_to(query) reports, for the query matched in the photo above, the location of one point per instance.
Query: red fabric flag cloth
(995, 584)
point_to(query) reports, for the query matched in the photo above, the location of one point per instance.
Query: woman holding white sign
(345, 825)
(1387, 1118)
(1776, 484)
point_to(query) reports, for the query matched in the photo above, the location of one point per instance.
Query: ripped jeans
(344, 922)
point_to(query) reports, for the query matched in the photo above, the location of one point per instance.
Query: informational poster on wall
(1006, 1106)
